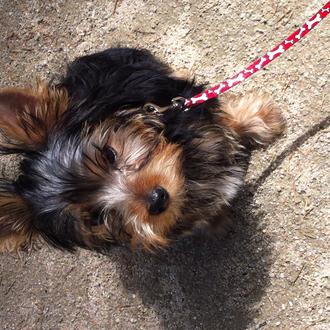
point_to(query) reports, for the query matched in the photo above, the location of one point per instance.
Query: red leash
(259, 63)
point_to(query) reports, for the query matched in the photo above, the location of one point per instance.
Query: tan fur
(16, 242)
(15, 223)
(182, 73)
(163, 169)
(27, 115)
(253, 116)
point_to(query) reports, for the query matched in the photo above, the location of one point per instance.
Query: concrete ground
(272, 271)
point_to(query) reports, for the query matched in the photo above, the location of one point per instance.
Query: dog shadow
(205, 284)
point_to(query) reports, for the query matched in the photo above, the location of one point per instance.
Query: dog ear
(254, 118)
(27, 116)
(16, 230)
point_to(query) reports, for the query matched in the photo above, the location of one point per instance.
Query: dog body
(101, 168)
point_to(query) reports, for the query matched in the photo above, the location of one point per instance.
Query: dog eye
(110, 154)
(96, 221)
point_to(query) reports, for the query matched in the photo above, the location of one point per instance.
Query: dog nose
(158, 199)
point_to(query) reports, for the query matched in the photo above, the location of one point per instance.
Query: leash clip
(153, 108)
(177, 103)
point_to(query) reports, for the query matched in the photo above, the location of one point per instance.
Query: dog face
(144, 189)
(133, 180)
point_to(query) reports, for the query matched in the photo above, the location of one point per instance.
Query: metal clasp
(153, 108)
(177, 103)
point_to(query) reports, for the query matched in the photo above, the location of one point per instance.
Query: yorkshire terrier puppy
(102, 166)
